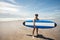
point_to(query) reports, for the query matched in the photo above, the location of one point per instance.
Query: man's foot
(32, 36)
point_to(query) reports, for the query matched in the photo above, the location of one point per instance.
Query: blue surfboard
(44, 24)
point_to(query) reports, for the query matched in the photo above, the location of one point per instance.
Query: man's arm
(34, 23)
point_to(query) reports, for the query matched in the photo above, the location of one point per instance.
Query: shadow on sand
(41, 36)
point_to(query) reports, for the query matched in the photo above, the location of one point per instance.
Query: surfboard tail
(23, 23)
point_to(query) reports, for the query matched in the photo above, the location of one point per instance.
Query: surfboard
(44, 24)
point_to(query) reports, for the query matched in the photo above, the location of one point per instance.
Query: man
(35, 18)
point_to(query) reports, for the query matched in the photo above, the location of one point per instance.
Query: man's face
(36, 16)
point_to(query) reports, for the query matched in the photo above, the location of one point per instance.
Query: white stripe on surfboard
(39, 24)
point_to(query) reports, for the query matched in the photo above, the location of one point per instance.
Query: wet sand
(14, 30)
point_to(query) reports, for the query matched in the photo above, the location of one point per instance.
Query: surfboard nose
(55, 24)
(23, 23)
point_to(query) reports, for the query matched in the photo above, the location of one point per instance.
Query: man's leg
(33, 32)
(37, 31)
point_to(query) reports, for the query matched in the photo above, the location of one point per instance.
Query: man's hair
(36, 14)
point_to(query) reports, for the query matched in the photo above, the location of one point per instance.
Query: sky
(27, 8)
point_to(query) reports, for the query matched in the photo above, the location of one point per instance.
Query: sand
(14, 30)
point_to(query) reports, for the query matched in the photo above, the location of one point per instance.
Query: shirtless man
(35, 18)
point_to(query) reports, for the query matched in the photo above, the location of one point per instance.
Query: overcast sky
(27, 8)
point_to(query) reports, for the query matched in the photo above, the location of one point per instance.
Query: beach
(14, 30)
